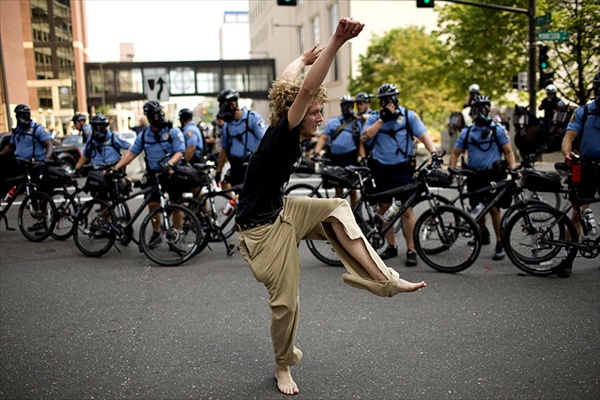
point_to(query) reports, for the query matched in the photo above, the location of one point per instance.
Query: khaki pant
(272, 254)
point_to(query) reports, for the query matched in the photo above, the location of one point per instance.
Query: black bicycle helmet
(228, 95)
(99, 119)
(346, 100)
(387, 90)
(79, 117)
(362, 96)
(22, 109)
(152, 107)
(481, 100)
(185, 114)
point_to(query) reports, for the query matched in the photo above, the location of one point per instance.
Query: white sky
(161, 30)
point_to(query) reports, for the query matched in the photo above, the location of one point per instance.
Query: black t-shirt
(270, 167)
(549, 105)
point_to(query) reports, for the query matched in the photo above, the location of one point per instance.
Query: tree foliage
(490, 47)
(416, 63)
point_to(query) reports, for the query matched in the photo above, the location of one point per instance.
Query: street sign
(543, 20)
(522, 81)
(157, 87)
(559, 36)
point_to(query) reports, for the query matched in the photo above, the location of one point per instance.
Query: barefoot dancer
(271, 226)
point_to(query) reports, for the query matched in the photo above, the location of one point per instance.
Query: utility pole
(530, 12)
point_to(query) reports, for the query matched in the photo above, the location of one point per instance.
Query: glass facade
(52, 35)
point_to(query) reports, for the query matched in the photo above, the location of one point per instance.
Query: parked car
(76, 140)
(129, 136)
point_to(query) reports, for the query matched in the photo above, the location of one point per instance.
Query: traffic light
(425, 3)
(546, 78)
(543, 58)
(288, 2)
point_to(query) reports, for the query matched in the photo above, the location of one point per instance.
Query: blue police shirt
(489, 153)
(237, 141)
(86, 132)
(158, 145)
(191, 134)
(393, 144)
(28, 142)
(344, 140)
(589, 147)
(106, 152)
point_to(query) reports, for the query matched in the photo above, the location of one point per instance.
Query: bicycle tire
(66, 210)
(420, 206)
(177, 245)
(208, 229)
(226, 223)
(93, 231)
(538, 248)
(453, 229)
(37, 216)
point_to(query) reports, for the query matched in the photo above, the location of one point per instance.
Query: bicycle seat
(356, 168)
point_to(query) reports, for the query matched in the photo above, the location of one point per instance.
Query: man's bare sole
(406, 286)
(284, 381)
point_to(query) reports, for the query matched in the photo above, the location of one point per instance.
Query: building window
(316, 30)
(334, 16)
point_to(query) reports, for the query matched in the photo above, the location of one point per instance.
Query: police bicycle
(214, 208)
(36, 216)
(100, 223)
(446, 238)
(542, 240)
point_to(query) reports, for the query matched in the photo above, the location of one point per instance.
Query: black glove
(386, 115)
(218, 178)
(77, 173)
(436, 158)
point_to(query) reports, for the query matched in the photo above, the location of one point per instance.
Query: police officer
(158, 140)
(342, 133)
(242, 131)
(390, 134)
(79, 120)
(485, 142)
(363, 106)
(30, 141)
(473, 92)
(194, 145)
(550, 105)
(104, 147)
(585, 127)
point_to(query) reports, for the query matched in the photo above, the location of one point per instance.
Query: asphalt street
(120, 327)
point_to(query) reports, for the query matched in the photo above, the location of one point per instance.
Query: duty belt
(250, 225)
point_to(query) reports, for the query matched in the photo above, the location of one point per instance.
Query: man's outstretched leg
(358, 249)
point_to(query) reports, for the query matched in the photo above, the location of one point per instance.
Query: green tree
(416, 63)
(489, 47)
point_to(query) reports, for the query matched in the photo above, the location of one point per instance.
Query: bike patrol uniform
(240, 139)
(191, 134)
(392, 160)
(85, 129)
(28, 142)
(105, 152)
(343, 135)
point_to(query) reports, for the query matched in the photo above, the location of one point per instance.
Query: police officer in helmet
(192, 135)
(79, 123)
(242, 131)
(158, 140)
(104, 146)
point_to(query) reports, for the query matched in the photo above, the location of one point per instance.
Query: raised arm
(347, 29)
(293, 70)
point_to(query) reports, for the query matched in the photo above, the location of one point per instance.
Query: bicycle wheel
(442, 239)
(37, 216)
(180, 233)
(420, 206)
(536, 240)
(209, 231)
(93, 231)
(66, 209)
(324, 252)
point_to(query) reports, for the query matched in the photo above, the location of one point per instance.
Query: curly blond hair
(283, 93)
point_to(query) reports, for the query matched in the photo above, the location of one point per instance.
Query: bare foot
(406, 286)
(285, 383)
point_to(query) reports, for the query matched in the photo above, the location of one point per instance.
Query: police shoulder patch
(189, 134)
(180, 136)
(121, 137)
